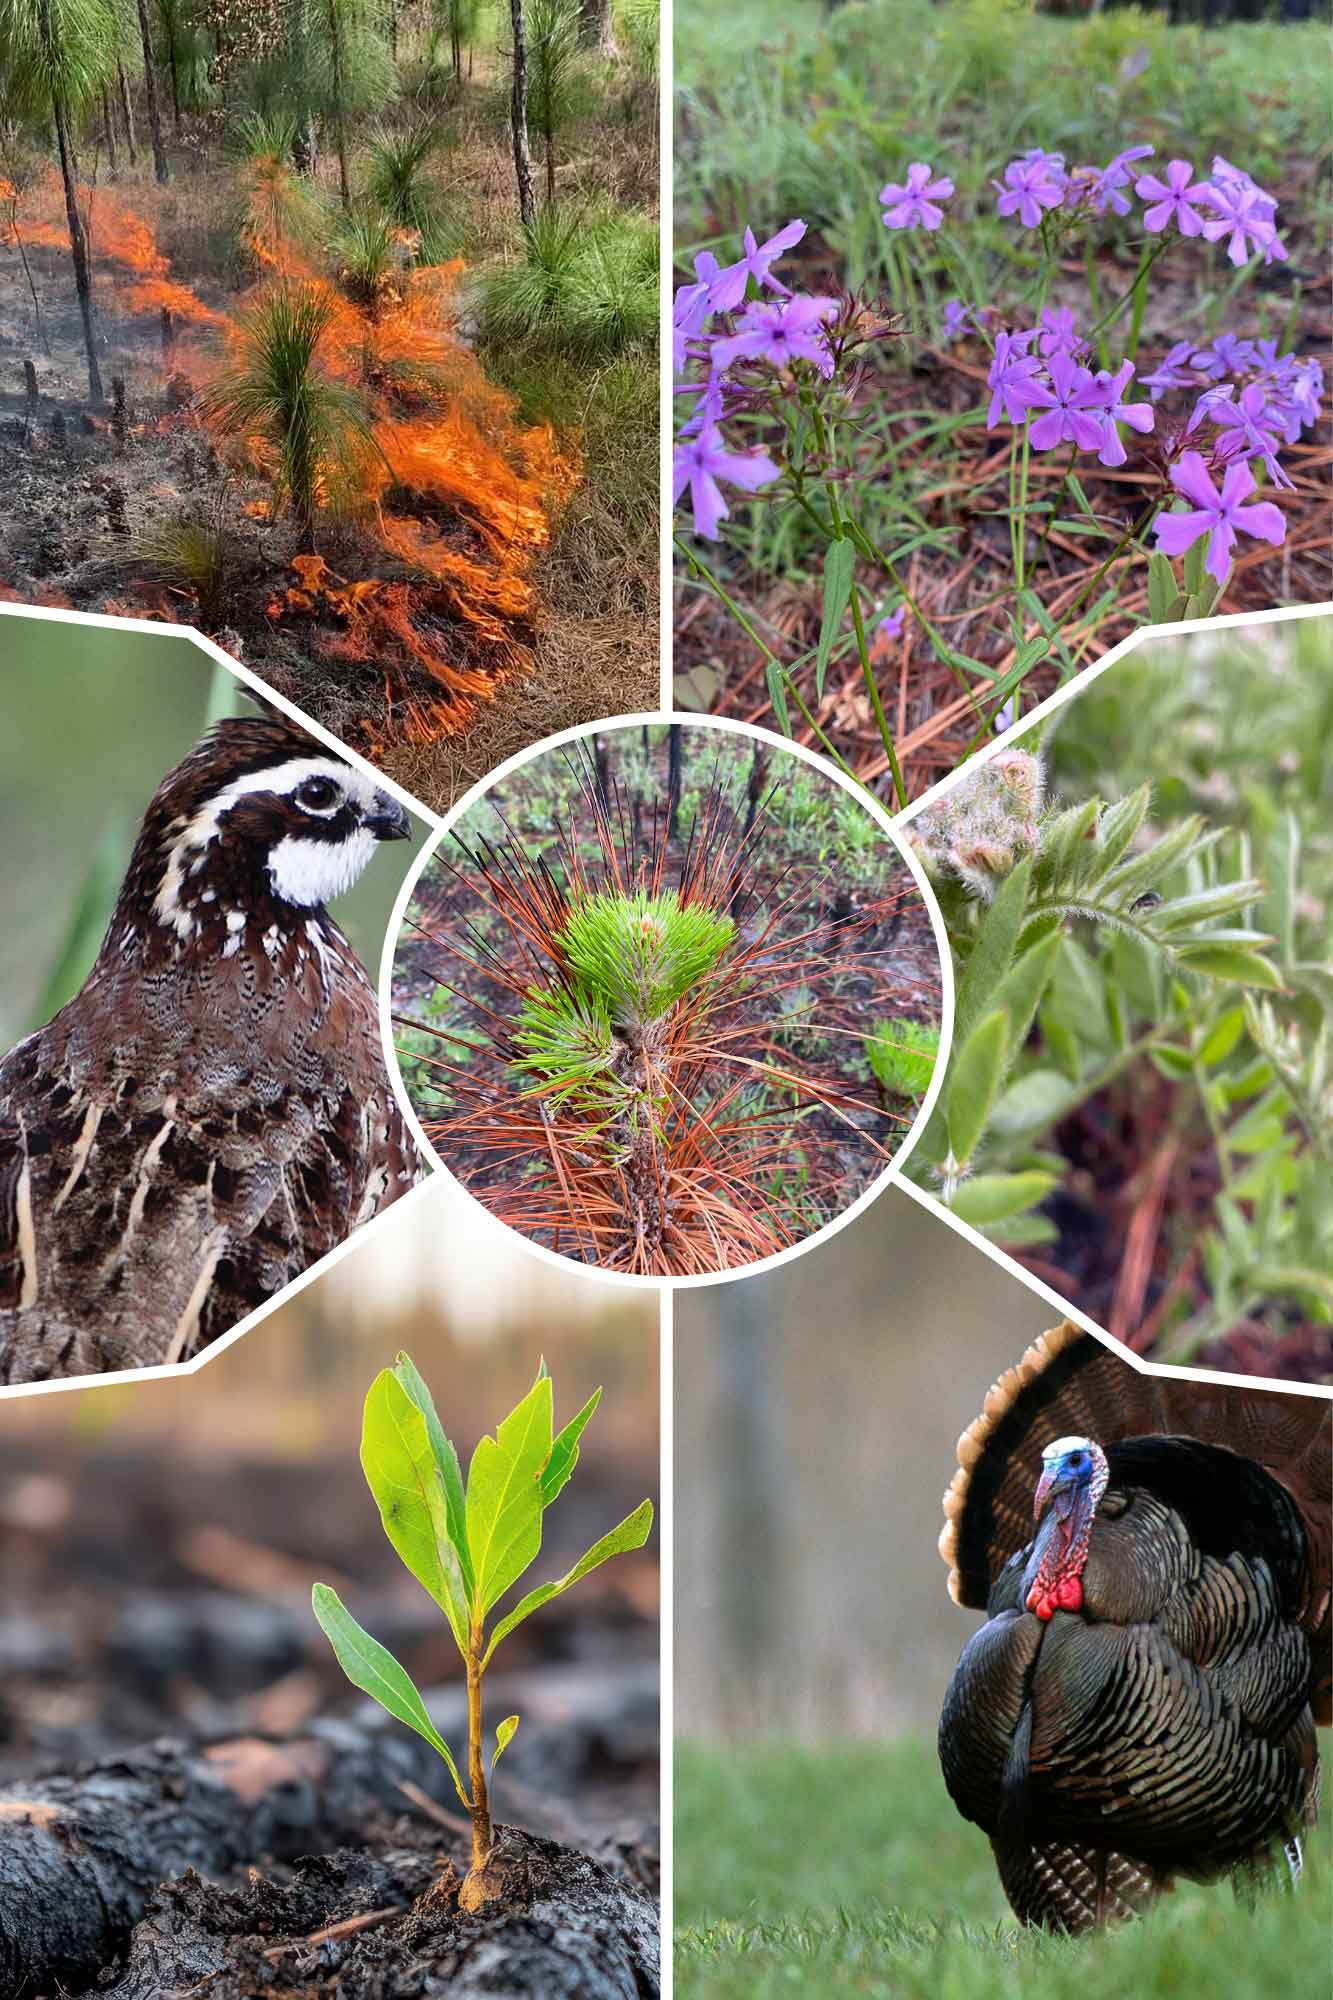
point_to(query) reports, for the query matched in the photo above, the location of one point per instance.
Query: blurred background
(158, 1542)
(93, 721)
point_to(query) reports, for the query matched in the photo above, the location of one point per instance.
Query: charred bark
(78, 242)
(596, 28)
(160, 167)
(127, 113)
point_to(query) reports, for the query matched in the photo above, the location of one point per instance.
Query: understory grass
(845, 1871)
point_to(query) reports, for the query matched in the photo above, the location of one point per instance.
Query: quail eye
(317, 793)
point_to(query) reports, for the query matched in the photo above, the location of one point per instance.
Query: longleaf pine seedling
(653, 1052)
(466, 1547)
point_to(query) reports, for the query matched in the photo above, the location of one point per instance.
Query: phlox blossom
(1219, 515)
(700, 462)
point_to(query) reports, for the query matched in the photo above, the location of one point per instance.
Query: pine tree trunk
(518, 118)
(339, 129)
(78, 242)
(160, 166)
(109, 126)
(175, 83)
(127, 113)
(595, 26)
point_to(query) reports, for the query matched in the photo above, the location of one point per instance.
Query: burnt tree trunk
(78, 242)
(518, 118)
(127, 113)
(109, 127)
(160, 167)
(336, 68)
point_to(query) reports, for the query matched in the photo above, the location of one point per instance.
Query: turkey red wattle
(1073, 1479)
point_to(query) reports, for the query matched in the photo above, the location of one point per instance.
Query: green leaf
(1229, 961)
(839, 563)
(1020, 991)
(1119, 824)
(445, 1457)
(404, 1476)
(992, 951)
(565, 1451)
(504, 1736)
(631, 1533)
(1034, 1103)
(504, 1500)
(1222, 1037)
(994, 1197)
(974, 1079)
(777, 694)
(1162, 592)
(1315, 1286)
(372, 1668)
(1192, 571)
(1281, 866)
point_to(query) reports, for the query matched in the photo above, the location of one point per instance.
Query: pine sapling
(467, 1547)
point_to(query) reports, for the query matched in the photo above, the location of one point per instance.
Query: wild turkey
(1141, 1702)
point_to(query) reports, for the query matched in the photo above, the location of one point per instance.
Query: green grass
(846, 1871)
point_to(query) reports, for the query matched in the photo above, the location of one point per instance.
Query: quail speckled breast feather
(210, 1113)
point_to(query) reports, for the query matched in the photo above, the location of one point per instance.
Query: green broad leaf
(1081, 500)
(1162, 591)
(992, 952)
(372, 1668)
(777, 694)
(404, 1476)
(994, 1197)
(1068, 850)
(565, 1451)
(1222, 1038)
(839, 563)
(1143, 871)
(1022, 987)
(1078, 995)
(973, 1083)
(1022, 1232)
(1314, 979)
(1256, 1076)
(1035, 1103)
(504, 1499)
(1174, 1064)
(631, 1533)
(1261, 1126)
(1226, 899)
(504, 1736)
(445, 1457)
(1230, 961)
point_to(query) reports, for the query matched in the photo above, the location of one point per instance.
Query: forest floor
(846, 1871)
(438, 685)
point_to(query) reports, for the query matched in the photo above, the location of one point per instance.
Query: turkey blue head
(1073, 1479)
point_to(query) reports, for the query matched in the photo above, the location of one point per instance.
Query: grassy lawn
(847, 1871)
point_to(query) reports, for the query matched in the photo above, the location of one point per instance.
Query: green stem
(1147, 258)
(1055, 504)
(872, 689)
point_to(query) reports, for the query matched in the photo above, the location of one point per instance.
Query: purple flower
(1010, 380)
(1173, 199)
(957, 319)
(709, 411)
(1244, 214)
(1139, 416)
(1108, 186)
(893, 625)
(1228, 354)
(699, 464)
(1217, 515)
(1245, 434)
(1030, 186)
(914, 202)
(689, 314)
(1169, 372)
(1067, 405)
(787, 330)
(728, 287)
(1059, 335)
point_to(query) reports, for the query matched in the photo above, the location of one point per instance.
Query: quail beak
(388, 821)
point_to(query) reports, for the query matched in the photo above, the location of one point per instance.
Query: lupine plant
(467, 1547)
(773, 381)
(1100, 960)
(645, 1047)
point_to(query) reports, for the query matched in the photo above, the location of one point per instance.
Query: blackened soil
(383, 1923)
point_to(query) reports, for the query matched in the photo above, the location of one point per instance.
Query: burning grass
(634, 1015)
